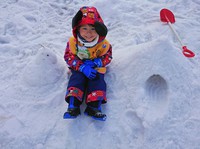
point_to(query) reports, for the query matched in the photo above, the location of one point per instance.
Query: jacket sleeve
(71, 59)
(106, 58)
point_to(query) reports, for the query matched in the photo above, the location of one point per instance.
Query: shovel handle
(177, 36)
(187, 52)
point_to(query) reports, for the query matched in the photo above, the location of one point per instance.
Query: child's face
(88, 32)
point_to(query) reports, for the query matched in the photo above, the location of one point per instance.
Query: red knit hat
(89, 15)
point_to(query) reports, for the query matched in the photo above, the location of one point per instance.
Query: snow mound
(43, 69)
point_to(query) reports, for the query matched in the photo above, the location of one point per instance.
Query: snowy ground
(153, 90)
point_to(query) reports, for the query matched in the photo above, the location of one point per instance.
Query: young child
(87, 54)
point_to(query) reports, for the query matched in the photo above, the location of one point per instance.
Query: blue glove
(88, 71)
(98, 62)
(90, 63)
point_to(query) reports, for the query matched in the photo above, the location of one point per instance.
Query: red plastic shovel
(167, 16)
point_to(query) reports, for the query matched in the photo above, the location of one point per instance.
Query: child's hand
(88, 71)
(90, 63)
(98, 62)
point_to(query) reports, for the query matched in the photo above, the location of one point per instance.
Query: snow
(153, 89)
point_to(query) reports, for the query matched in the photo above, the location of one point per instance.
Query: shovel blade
(167, 16)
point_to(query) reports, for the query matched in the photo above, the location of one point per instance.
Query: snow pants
(81, 87)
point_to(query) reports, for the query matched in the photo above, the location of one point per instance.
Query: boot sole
(96, 118)
(68, 116)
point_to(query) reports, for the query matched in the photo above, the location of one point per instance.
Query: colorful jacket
(76, 53)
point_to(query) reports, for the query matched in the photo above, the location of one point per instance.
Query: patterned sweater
(76, 53)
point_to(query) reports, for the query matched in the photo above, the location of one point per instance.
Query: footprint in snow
(156, 92)
(135, 125)
(156, 88)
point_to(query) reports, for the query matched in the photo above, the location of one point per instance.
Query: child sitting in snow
(87, 54)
